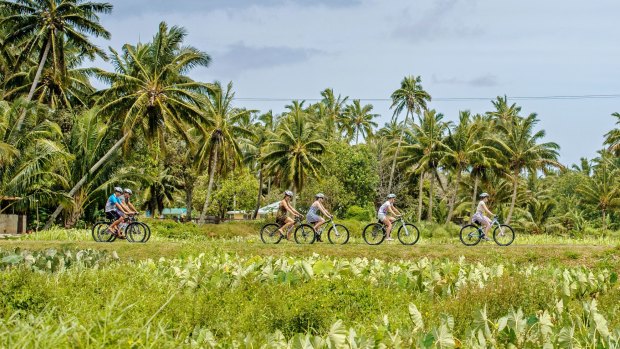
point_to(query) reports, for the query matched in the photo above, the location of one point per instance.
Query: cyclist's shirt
(480, 208)
(384, 208)
(110, 205)
(312, 215)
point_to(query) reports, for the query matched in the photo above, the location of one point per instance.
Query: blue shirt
(110, 205)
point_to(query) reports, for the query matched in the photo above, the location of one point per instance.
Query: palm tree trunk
(515, 183)
(396, 153)
(33, 88)
(260, 190)
(189, 197)
(203, 214)
(454, 194)
(430, 198)
(604, 221)
(79, 184)
(475, 195)
(357, 136)
(420, 189)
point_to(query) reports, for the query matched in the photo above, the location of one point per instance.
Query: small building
(238, 215)
(11, 223)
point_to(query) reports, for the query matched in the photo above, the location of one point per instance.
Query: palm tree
(612, 138)
(460, 149)
(522, 151)
(293, 154)
(360, 119)
(331, 110)
(504, 113)
(149, 91)
(222, 134)
(412, 97)
(426, 153)
(486, 161)
(602, 189)
(32, 158)
(49, 24)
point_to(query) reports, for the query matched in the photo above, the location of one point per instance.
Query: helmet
(118, 189)
(320, 196)
(128, 191)
(484, 195)
(391, 196)
(288, 193)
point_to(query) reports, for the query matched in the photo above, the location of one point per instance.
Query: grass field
(220, 286)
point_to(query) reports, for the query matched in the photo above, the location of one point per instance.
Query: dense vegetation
(179, 142)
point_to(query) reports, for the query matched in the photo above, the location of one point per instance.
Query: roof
(9, 198)
(174, 211)
(269, 208)
(236, 212)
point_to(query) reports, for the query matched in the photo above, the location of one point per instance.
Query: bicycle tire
(338, 236)
(147, 234)
(102, 233)
(374, 233)
(408, 234)
(136, 232)
(269, 234)
(305, 234)
(506, 235)
(470, 235)
(94, 231)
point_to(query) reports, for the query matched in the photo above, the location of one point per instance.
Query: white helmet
(289, 193)
(320, 196)
(391, 196)
(128, 191)
(118, 189)
(484, 195)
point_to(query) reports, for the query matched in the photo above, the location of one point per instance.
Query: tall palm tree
(149, 91)
(47, 25)
(486, 161)
(412, 97)
(522, 150)
(332, 109)
(222, 134)
(425, 153)
(360, 119)
(504, 112)
(460, 149)
(603, 188)
(612, 138)
(293, 154)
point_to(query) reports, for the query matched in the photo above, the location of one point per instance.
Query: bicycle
(375, 233)
(471, 234)
(336, 234)
(304, 233)
(134, 230)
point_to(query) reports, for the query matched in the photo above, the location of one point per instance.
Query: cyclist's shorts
(381, 217)
(312, 218)
(113, 215)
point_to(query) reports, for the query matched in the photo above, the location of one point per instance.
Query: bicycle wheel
(148, 231)
(503, 235)
(269, 234)
(470, 235)
(305, 234)
(136, 232)
(408, 234)
(95, 231)
(103, 235)
(338, 234)
(374, 233)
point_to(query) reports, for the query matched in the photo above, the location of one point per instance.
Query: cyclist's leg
(486, 225)
(388, 226)
(319, 223)
(288, 223)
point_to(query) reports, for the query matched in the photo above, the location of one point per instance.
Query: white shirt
(384, 208)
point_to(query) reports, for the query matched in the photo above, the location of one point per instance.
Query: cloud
(487, 80)
(239, 58)
(437, 21)
(125, 8)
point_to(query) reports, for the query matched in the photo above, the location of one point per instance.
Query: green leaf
(337, 335)
(12, 259)
(416, 317)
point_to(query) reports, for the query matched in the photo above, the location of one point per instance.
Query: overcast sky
(293, 49)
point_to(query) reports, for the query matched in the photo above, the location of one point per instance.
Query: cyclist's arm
(132, 207)
(487, 210)
(394, 210)
(120, 207)
(325, 212)
(290, 209)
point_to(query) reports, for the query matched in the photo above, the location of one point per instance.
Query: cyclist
(115, 211)
(282, 219)
(127, 193)
(313, 218)
(384, 210)
(479, 216)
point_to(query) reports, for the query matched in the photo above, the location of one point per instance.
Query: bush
(358, 213)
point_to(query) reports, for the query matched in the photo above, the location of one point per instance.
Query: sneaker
(389, 239)
(485, 238)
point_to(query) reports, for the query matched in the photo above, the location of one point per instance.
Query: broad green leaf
(416, 318)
